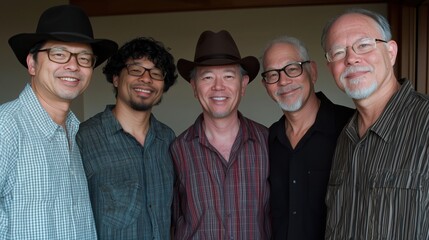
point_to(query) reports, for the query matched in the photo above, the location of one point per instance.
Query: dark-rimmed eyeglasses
(361, 46)
(58, 55)
(138, 71)
(292, 70)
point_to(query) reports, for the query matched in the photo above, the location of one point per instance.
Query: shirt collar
(197, 131)
(41, 118)
(112, 125)
(323, 122)
(394, 107)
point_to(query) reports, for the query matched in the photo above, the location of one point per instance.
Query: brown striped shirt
(379, 184)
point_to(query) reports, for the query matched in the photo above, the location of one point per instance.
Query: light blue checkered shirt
(43, 188)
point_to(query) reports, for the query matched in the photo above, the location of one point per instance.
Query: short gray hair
(298, 44)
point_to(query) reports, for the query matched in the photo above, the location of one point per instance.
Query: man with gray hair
(379, 183)
(301, 143)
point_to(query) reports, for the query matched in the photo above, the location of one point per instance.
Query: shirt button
(294, 212)
(294, 181)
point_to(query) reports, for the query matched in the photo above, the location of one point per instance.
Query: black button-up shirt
(299, 176)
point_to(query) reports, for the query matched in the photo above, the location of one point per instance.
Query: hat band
(216, 56)
(70, 34)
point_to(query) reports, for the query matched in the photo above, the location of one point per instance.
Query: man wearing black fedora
(221, 161)
(43, 188)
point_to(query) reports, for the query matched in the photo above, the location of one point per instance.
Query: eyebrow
(359, 39)
(65, 48)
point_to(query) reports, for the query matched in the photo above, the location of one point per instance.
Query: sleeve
(83, 143)
(176, 211)
(179, 198)
(267, 207)
(425, 204)
(8, 156)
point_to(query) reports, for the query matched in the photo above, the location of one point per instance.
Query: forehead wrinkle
(351, 27)
(280, 55)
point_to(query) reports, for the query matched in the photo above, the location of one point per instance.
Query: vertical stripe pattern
(379, 184)
(219, 199)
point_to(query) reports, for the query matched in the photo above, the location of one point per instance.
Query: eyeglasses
(361, 46)
(292, 70)
(138, 71)
(58, 55)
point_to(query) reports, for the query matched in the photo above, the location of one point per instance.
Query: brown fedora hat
(65, 23)
(215, 49)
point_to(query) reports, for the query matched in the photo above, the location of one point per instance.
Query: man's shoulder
(423, 99)
(254, 130)
(416, 103)
(254, 125)
(418, 109)
(342, 108)
(94, 120)
(335, 111)
(160, 126)
(14, 123)
(11, 112)
(186, 134)
(162, 130)
(92, 124)
(342, 113)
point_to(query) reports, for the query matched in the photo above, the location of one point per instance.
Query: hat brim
(22, 43)
(250, 64)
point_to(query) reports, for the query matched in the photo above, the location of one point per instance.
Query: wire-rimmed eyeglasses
(138, 71)
(292, 70)
(58, 55)
(361, 46)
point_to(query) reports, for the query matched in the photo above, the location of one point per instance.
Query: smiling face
(59, 82)
(139, 93)
(360, 76)
(219, 89)
(290, 93)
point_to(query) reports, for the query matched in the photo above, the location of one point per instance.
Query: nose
(72, 64)
(145, 77)
(284, 79)
(351, 57)
(217, 83)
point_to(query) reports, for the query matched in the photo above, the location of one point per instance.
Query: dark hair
(142, 47)
(35, 49)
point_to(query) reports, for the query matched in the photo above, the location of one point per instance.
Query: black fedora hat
(65, 23)
(215, 49)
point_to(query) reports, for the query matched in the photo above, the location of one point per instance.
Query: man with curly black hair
(125, 148)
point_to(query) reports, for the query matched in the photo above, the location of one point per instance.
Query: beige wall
(251, 28)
